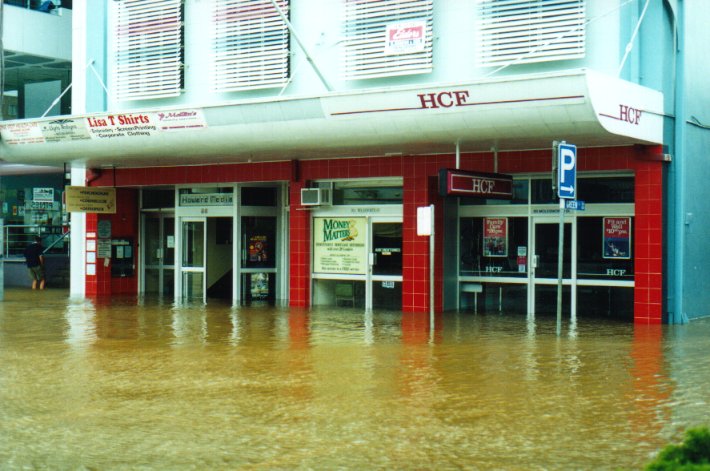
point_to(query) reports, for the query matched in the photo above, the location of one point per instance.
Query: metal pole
(431, 270)
(303, 48)
(560, 256)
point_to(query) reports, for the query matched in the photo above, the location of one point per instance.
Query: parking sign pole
(560, 257)
(566, 190)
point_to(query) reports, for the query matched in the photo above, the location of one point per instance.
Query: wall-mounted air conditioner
(315, 196)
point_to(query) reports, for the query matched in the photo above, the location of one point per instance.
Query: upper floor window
(384, 38)
(526, 31)
(148, 49)
(250, 45)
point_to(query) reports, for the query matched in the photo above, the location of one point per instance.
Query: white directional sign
(567, 171)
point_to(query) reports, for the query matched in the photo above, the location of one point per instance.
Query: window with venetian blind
(251, 45)
(148, 49)
(527, 31)
(384, 38)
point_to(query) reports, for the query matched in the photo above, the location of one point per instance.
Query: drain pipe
(494, 149)
(680, 227)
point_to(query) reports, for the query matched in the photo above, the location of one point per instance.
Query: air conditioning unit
(315, 196)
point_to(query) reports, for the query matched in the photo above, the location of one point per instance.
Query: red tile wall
(420, 189)
(124, 224)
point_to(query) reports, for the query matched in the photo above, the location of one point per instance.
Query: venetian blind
(251, 45)
(526, 31)
(385, 38)
(148, 49)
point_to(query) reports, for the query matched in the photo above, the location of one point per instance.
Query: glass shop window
(345, 194)
(495, 246)
(604, 248)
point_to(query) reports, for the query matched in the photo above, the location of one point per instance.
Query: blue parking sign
(567, 171)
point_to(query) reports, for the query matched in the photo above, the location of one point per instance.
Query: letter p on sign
(567, 165)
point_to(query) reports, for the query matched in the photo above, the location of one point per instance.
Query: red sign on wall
(477, 184)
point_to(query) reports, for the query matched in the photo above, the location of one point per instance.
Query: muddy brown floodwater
(144, 384)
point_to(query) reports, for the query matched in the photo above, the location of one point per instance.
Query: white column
(77, 246)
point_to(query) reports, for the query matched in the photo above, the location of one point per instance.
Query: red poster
(258, 248)
(617, 238)
(495, 237)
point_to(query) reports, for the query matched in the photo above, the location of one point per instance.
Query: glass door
(259, 255)
(385, 264)
(544, 267)
(193, 266)
(158, 253)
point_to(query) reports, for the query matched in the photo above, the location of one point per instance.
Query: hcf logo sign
(567, 171)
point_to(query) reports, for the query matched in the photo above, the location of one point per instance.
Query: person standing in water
(34, 257)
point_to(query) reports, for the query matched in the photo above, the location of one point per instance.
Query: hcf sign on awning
(454, 182)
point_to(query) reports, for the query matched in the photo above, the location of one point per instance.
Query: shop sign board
(103, 126)
(406, 37)
(206, 199)
(495, 237)
(339, 245)
(84, 199)
(617, 238)
(454, 182)
(43, 195)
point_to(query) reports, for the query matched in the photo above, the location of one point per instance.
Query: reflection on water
(127, 384)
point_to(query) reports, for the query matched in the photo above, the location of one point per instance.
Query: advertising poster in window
(617, 238)
(258, 248)
(495, 237)
(339, 245)
(405, 38)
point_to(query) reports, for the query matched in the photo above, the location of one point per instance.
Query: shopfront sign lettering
(476, 184)
(207, 199)
(615, 272)
(629, 114)
(443, 99)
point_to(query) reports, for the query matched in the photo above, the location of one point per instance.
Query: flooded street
(129, 384)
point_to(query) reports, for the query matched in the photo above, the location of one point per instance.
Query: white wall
(38, 33)
(318, 24)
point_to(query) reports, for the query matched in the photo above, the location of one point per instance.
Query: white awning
(512, 113)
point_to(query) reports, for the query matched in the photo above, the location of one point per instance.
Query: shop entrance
(206, 258)
(229, 241)
(544, 267)
(158, 253)
(358, 262)
(258, 259)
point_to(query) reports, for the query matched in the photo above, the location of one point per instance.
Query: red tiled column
(415, 249)
(98, 284)
(299, 250)
(648, 246)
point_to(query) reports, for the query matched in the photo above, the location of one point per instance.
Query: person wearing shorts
(34, 259)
